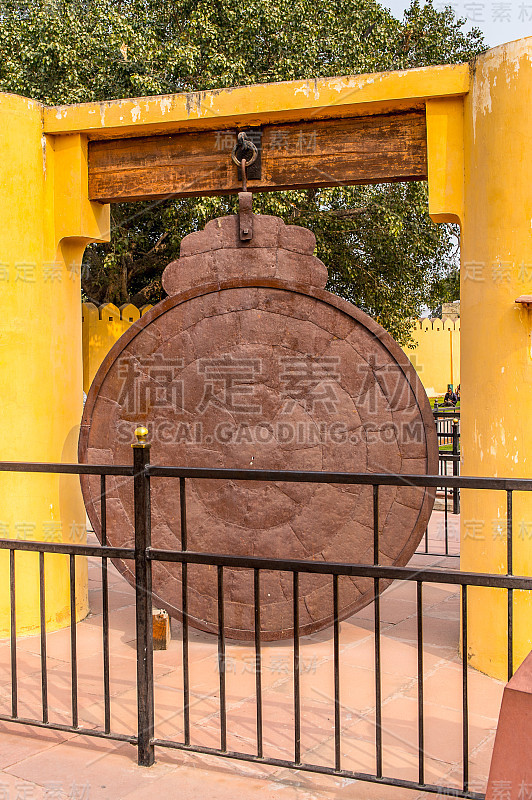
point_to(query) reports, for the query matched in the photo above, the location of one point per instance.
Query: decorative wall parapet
(102, 326)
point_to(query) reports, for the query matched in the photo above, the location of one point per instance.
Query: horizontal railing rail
(66, 469)
(100, 551)
(362, 478)
(433, 575)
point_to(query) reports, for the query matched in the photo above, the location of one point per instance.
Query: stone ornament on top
(249, 363)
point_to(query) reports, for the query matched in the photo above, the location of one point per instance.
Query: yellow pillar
(46, 225)
(496, 369)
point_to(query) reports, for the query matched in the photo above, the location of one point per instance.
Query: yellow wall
(46, 224)
(480, 175)
(436, 356)
(496, 347)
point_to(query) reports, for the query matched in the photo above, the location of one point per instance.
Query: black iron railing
(144, 555)
(448, 498)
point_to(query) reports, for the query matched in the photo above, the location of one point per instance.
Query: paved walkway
(36, 763)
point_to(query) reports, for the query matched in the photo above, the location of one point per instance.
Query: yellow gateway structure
(61, 166)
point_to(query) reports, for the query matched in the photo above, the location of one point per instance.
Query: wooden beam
(370, 149)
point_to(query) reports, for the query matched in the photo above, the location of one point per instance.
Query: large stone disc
(268, 375)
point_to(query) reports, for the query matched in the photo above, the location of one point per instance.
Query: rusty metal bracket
(245, 216)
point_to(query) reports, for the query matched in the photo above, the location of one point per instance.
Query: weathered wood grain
(370, 149)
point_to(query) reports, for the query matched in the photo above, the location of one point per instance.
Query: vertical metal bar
(378, 679)
(376, 524)
(186, 674)
(337, 718)
(13, 632)
(183, 512)
(297, 688)
(258, 663)
(377, 611)
(420, 710)
(184, 607)
(103, 509)
(510, 592)
(144, 622)
(465, 699)
(442, 470)
(446, 518)
(427, 539)
(509, 531)
(456, 490)
(105, 610)
(221, 659)
(42, 610)
(73, 642)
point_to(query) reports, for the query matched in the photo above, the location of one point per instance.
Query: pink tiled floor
(36, 763)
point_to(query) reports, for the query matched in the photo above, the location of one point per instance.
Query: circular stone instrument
(250, 363)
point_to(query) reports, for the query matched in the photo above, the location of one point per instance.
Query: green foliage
(444, 289)
(381, 248)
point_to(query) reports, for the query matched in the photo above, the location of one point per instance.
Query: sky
(500, 20)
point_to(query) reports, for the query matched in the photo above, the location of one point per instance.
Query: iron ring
(247, 144)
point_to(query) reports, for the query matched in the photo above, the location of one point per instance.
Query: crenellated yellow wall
(101, 327)
(437, 354)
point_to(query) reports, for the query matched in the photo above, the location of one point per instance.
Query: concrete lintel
(260, 104)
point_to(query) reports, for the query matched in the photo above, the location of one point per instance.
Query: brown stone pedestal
(511, 764)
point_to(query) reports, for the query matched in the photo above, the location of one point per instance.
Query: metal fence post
(456, 451)
(143, 602)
